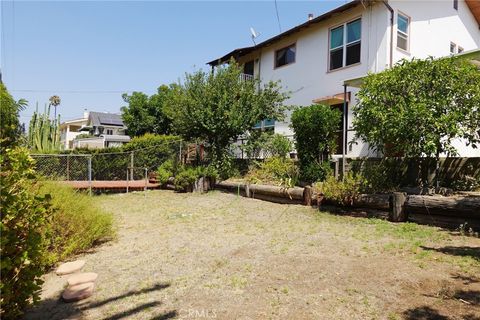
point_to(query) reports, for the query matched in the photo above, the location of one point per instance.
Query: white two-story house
(94, 130)
(322, 60)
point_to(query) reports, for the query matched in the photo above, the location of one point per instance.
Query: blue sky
(90, 52)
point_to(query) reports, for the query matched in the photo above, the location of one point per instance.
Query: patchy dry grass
(218, 255)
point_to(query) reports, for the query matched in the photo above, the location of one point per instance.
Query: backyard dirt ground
(219, 256)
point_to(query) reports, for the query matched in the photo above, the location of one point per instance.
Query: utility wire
(278, 17)
(74, 91)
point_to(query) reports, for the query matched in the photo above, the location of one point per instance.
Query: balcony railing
(246, 77)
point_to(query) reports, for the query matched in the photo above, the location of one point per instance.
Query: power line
(75, 91)
(278, 17)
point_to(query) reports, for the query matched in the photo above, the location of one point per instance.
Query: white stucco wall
(434, 24)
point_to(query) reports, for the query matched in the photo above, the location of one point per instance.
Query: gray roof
(105, 119)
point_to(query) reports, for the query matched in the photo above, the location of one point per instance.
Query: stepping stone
(78, 292)
(80, 278)
(70, 267)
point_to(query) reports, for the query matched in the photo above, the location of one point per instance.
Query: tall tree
(419, 107)
(10, 128)
(145, 114)
(218, 107)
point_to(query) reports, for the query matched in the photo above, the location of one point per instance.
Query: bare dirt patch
(216, 255)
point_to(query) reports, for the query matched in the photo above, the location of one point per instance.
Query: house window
(403, 29)
(109, 132)
(345, 44)
(285, 56)
(453, 48)
(460, 49)
(455, 4)
(266, 125)
(248, 68)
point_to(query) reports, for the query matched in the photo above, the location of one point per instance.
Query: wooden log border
(445, 212)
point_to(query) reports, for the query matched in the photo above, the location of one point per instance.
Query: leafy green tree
(315, 130)
(24, 214)
(218, 107)
(145, 114)
(418, 107)
(10, 129)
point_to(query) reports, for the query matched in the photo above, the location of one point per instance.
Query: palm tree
(55, 101)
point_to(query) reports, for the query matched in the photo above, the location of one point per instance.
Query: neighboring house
(97, 130)
(70, 129)
(318, 59)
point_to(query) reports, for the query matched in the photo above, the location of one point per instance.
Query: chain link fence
(125, 169)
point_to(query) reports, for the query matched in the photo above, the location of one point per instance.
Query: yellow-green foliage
(275, 170)
(24, 222)
(76, 224)
(338, 191)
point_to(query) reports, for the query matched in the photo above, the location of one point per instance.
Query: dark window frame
(345, 45)
(455, 4)
(275, 61)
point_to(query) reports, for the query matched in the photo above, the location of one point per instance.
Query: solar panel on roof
(110, 119)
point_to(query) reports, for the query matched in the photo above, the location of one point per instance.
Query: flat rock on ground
(70, 267)
(80, 278)
(78, 292)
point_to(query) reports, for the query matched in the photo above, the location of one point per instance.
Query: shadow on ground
(55, 308)
(473, 252)
(423, 313)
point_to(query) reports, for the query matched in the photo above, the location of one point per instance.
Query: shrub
(185, 179)
(466, 183)
(340, 192)
(315, 130)
(153, 150)
(165, 171)
(207, 172)
(278, 145)
(76, 224)
(256, 142)
(275, 170)
(315, 171)
(226, 167)
(380, 176)
(24, 220)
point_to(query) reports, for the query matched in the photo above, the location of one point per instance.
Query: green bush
(226, 167)
(278, 145)
(152, 150)
(315, 171)
(316, 131)
(380, 176)
(207, 172)
(466, 183)
(185, 179)
(76, 224)
(25, 217)
(275, 170)
(341, 192)
(165, 171)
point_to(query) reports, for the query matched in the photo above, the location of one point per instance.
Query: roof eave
(306, 24)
